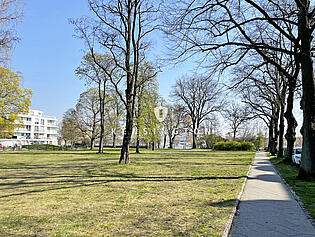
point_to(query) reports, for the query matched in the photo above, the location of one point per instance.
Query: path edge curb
(296, 197)
(229, 223)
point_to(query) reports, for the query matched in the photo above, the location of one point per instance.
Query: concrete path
(267, 208)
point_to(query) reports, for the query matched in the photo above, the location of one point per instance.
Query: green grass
(161, 193)
(304, 189)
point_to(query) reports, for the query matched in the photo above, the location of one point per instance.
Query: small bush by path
(81, 193)
(304, 189)
(234, 146)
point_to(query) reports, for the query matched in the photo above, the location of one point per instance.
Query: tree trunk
(276, 131)
(281, 133)
(114, 140)
(291, 123)
(281, 121)
(307, 168)
(92, 143)
(101, 145)
(153, 146)
(138, 141)
(138, 146)
(194, 143)
(125, 150)
(171, 141)
(270, 136)
(234, 134)
(102, 112)
(164, 142)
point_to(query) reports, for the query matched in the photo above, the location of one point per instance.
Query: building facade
(37, 128)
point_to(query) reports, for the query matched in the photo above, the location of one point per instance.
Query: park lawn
(304, 189)
(82, 193)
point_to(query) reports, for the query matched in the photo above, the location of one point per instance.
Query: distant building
(37, 129)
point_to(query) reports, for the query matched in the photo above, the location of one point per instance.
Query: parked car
(297, 155)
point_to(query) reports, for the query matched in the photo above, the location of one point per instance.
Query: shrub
(247, 146)
(210, 139)
(42, 147)
(234, 146)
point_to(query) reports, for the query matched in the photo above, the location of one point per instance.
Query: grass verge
(304, 189)
(81, 193)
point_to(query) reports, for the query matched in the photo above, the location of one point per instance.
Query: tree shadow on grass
(88, 181)
(78, 153)
(222, 203)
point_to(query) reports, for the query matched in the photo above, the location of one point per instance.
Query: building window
(36, 129)
(42, 121)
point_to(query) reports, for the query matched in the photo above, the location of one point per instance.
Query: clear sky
(48, 54)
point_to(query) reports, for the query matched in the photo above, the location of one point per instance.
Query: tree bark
(194, 145)
(125, 150)
(164, 142)
(92, 143)
(153, 146)
(281, 121)
(307, 168)
(270, 136)
(138, 141)
(101, 143)
(276, 130)
(234, 134)
(102, 113)
(291, 122)
(171, 141)
(281, 132)
(114, 140)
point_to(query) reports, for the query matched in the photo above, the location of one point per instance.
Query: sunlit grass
(81, 193)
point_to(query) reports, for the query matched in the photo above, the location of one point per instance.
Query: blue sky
(48, 54)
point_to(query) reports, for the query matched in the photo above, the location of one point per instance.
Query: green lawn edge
(304, 189)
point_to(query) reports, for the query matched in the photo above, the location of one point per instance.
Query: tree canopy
(14, 100)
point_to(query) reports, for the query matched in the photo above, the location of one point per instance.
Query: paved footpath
(267, 208)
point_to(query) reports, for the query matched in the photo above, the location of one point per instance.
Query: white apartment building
(37, 129)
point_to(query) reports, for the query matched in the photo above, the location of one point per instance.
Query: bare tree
(88, 114)
(237, 115)
(120, 28)
(114, 112)
(224, 30)
(174, 121)
(11, 12)
(93, 73)
(200, 96)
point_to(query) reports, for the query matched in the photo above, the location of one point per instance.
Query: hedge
(234, 146)
(43, 147)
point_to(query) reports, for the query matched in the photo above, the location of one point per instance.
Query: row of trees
(199, 99)
(269, 43)
(265, 45)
